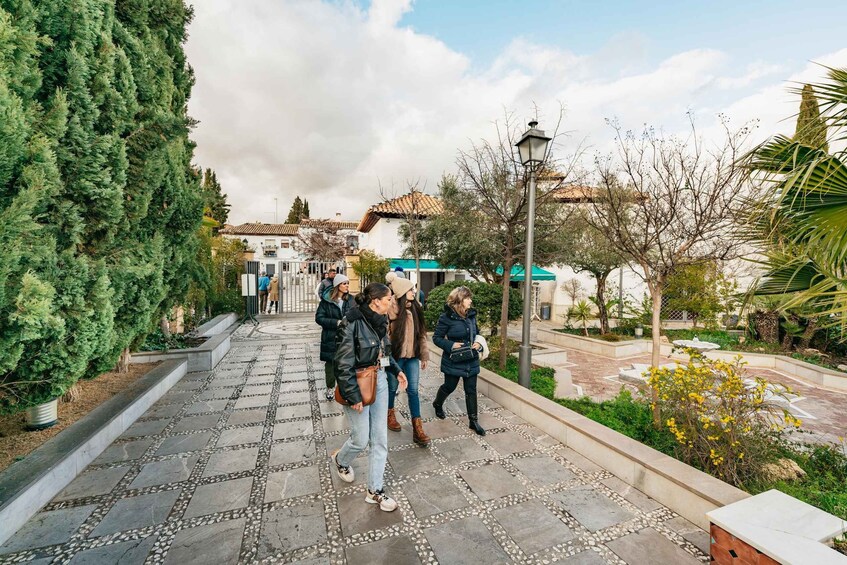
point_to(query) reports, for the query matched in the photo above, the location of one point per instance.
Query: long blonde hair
(456, 299)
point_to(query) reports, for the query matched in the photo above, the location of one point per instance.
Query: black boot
(438, 403)
(473, 423)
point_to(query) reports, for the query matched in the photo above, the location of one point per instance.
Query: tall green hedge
(487, 300)
(99, 207)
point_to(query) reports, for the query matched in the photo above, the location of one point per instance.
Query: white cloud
(325, 100)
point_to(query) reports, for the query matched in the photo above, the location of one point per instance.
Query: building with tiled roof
(260, 229)
(415, 203)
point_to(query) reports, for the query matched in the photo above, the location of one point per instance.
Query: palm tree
(805, 229)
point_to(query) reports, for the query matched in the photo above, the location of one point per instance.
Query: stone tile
(412, 461)
(216, 393)
(507, 443)
(360, 472)
(434, 495)
(231, 461)
(48, 528)
(196, 423)
(292, 452)
(491, 481)
(296, 428)
(335, 424)
(295, 397)
(453, 542)
(240, 436)
(295, 411)
(292, 528)
(648, 546)
(490, 422)
(93, 482)
(240, 417)
(690, 532)
(403, 437)
(590, 508)
(445, 428)
(164, 472)
(250, 389)
(252, 401)
(586, 557)
(219, 543)
(289, 387)
(533, 526)
(397, 550)
(146, 428)
(187, 385)
(632, 494)
(357, 516)
(263, 379)
(174, 397)
(137, 512)
(335, 442)
(461, 451)
(206, 406)
(123, 451)
(543, 470)
(163, 411)
(328, 407)
(579, 460)
(219, 497)
(182, 443)
(132, 552)
(293, 483)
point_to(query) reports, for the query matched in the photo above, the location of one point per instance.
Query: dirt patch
(16, 443)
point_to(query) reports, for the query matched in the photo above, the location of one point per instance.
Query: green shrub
(487, 299)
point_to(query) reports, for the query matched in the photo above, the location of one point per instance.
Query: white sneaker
(386, 503)
(344, 473)
(330, 393)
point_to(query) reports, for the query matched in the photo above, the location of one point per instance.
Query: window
(353, 242)
(269, 244)
(285, 245)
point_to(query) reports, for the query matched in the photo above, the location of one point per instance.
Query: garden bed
(16, 443)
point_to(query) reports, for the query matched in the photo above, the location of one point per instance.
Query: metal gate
(298, 283)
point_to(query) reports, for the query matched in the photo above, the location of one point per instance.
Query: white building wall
(633, 288)
(384, 238)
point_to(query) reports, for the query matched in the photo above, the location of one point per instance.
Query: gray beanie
(338, 279)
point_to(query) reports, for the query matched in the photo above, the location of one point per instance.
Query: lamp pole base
(525, 365)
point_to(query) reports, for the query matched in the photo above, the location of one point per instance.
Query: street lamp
(533, 150)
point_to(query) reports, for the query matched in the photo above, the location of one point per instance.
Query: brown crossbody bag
(366, 378)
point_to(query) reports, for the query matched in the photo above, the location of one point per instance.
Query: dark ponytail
(371, 292)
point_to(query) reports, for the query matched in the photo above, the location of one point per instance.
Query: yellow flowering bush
(724, 422)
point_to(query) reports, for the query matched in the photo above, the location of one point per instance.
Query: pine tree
(296, 212)
(215, 203)
(305, 210)
(811, 128)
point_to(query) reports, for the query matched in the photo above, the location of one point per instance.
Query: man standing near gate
(326, 283)
(264, 284)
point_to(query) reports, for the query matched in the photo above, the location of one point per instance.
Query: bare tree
(320, 241)
(666, 202)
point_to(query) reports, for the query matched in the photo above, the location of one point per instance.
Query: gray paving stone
(490, 422)
(434, 495)
(240, 417)
(335, 424)
(295, 397)
(293, 452)
(543, 470)
(462, 450)
(217, 543)
(445, 428)
(491, 481)
(219, 497)
(295, 411)
(231, 461)
(648, 546)
(454, 542)
(163, 411)
(196, 423)
(146, 428)
(506, 443)
(250, 389)
(174, 397)
(132, 552)
(164, 472)
(579, 460)
(206, 406)
(216, 393)
(397, 550)
(187, 385)
(240, 436)
(357, 516)
(293, 483)
(252, 401)
(292, 528)
(533, 526)
(295, 428)
(632, 494)
(412, 461)
(48, 528)
(586, 557)
(690, 532)
(360, 472)
(93, 482)
(328, 407)
(184, 442)
(590, 508)
(137, 512)
(123, 451)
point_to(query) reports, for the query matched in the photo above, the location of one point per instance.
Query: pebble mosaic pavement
(231, 466)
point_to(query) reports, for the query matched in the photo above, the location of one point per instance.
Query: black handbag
(462, 354)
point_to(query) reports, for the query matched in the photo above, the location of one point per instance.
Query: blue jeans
(412, 367)
(368, 429)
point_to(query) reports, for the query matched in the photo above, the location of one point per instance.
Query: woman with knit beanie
(336, 301)
(407, 333)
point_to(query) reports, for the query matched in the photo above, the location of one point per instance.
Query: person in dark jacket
(362, 341)
(335, 303)
(457, 327)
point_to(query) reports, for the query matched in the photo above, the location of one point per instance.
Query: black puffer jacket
(452, 328)
(358, 346)
(327, 317)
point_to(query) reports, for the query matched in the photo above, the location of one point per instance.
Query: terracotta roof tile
(261, 229)
(319, 223)
(422, 204)
(574, 193)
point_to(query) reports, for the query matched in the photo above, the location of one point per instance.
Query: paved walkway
(231, 466)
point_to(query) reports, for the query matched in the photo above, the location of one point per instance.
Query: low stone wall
(203, 358)
(216, 325)
(614, 350)
(28, 485)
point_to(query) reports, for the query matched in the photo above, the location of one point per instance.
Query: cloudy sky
(327, 100)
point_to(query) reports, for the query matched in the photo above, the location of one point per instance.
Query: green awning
(538, 274)
(409, 265)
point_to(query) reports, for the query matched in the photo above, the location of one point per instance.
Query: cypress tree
(296, 212)
(305, 210)
(811, 127)
(215, 204)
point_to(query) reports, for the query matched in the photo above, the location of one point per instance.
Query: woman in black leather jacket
(457, 327)
(362, 342)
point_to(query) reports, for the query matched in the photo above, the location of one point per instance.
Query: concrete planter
(203, 358)
(216, 325)
(614, 350)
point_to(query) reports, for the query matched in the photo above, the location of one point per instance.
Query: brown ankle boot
(393, 424)
(419, 435)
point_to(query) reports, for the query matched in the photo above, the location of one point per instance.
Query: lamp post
(533, 150)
